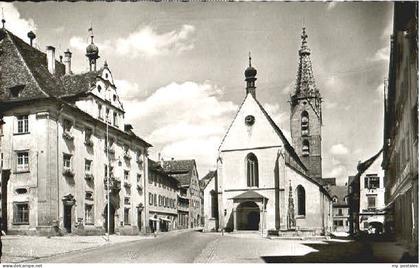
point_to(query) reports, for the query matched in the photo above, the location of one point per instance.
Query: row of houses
(67, 152)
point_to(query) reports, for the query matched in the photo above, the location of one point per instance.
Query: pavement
(193, 246)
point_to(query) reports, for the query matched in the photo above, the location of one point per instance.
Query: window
(371, 201)
(365, 225)
(89, 195)
(340, 212)
(304, 123)
(21, 213)
(150, 199)
(88, 165)
(22, 161)
(155, 200)
(252, 170)
(138, 178)
(67, 125)
(108, 120)
(339, 223)
(23, 125)
(371, 181)
(88, 135)
(126, 216)
(115, 119)
(100, 111)
(301, 200)
(67, 161)
(305, 148)
(126, 175)
(106, 171)
(89, 214)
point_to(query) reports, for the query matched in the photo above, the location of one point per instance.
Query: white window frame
(22, 124)
(23, 166)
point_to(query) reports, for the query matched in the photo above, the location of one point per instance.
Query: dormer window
(15, 91)
(114, 97)
(99, 88)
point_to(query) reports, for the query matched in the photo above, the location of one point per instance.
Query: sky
(179, 67)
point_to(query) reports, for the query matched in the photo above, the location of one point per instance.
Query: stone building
(400, 160)
(64, 139)
(263, 182)
(162, 199)
(189, 197)
(340, 212)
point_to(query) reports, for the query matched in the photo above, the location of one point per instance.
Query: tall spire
(250, 78)
(305, 82)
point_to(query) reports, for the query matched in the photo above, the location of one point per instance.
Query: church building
(264, 183)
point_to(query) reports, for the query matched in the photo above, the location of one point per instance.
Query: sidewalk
(17, 248)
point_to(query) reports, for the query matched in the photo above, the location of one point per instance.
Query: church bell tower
(306, 114)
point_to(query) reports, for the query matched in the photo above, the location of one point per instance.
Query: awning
(165, 219)
(250, 194)
(153, 219)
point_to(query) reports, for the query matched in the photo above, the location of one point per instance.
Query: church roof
(250, 194)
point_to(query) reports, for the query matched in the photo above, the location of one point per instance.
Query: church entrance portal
(248, 216)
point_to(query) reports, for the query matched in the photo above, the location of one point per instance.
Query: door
(139, 219)
(67, 218)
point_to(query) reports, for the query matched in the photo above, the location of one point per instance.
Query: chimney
(51, 59)
(31, 37)
(67, 61)
(61, 58)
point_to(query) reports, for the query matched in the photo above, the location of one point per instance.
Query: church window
(301, 200)
(304, 123)
(305, 148)
(252, 170)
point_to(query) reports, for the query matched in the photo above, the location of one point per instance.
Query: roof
(206, 179)
(250, 194)
(156, 167)
(182, 170)
(340, 192)
(329, 181)
(363, 166)
(75, 84)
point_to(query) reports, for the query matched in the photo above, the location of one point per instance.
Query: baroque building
(66, 146)
(263, 182)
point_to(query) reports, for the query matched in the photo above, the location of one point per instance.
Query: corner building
(64, 140)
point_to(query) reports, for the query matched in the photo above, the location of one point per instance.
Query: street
(198, 247)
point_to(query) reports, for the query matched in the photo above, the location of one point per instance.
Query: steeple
(306, 114)
(250, 78)
(305, 82)
(92, 52)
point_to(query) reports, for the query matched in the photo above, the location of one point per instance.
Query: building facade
(190, 195)
(340, 210)
(210, 209)
(65, 146)
(162, 199)
(400, 160)
(263, 183)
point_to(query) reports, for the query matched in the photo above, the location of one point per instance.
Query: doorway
(5, 180)
(248, 216)
(111, 219)
(67, 218)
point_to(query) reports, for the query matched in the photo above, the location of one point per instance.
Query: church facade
(264, 183)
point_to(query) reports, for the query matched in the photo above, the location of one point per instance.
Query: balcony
(68, 136)
(68, 172)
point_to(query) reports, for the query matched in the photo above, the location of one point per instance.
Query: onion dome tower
(92, 52)
(250, 77)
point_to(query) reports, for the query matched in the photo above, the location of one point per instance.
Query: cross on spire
(249, 58)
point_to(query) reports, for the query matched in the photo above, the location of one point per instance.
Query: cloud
(79, 43)
(331, 105)
(182, 120)
(147, 42)
(129, 90)
(278, 116)
(331, 5)
(338, 171)
(20, 26)
(339, 149)
(381, 54)
(334, 84)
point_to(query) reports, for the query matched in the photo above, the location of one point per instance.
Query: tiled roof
(180, 169)
(78, 83)
(340, 192)
(362, 167)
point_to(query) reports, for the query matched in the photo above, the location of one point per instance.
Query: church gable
(250, 129)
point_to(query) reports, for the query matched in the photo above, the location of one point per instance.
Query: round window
(249, 120)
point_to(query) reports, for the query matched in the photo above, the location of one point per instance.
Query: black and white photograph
(219, 132)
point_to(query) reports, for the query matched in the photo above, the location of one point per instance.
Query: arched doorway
(111, 219)
(248, 216)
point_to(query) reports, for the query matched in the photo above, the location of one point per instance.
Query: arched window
(301, 200)
(252, 170)
(305, 148)
(304, 123)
